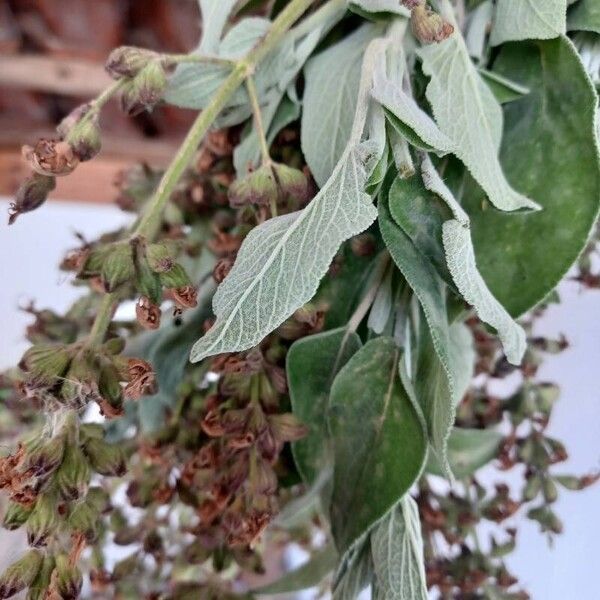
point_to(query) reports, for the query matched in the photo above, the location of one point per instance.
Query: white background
(31, 249)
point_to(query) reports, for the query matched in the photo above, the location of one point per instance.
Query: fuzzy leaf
(277, 269)
(397, 551)
(307, 575)
(332, 82)
(528, 19)
(409, 113)
(550, 152)
(375, 7)
(584, 16)
(312, 364)
(433, 394)
(355, 574)
(460, 257)
(468, 451)
(504, 89)
(378, 440)
(214, 19)
(467, 112)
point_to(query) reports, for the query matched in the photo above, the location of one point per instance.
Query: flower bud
(84, 138)
(146, 89)
(43, 520)
(81, 381)
(262, 478)
(66, 579)
(176, 277)
(161, 256)
(51, 158)
(258, 188)
(532, 487)
(72, 119)
(85, 520)
(20, 574)
(16, 515)
(292, 182)
(429, 27)
(45, 363)
(114, 346)
(98, 499)
(106, 459)
(39, 586)
(147, 281)
(117, 266)
(32, 193)
(74, 474)
(45, 457)
(109, 384)
(287, 427)
(147, 313)
(128, 61)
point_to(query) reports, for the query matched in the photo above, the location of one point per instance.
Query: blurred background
(51, 60)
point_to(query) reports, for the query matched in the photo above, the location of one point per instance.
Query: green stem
(260, 130)
(149, 223)
(103, 318)
(197, 58)
(105, 96)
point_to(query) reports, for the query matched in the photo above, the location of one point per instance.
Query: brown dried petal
(142, 379)
(184, 297)
(51, 157)
(147, 313)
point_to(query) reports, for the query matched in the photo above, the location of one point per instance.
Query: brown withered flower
(222, 268)
(429, 27)
(142, 379)
(147, 313)
(184, 297)
(51, 158)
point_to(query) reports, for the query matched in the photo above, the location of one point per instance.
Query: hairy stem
(258, 122)
(149, 222)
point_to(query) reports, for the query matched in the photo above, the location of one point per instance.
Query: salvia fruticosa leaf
(516, 20)
(397, 552)
(214, 18)
(312, 364)
(277, 269)
(550, 152)
(584, 16)
(467, 112)
(378, 439)
(435, 399)
(468, 451)
(329, 102)
(355, 573)
(308, 575)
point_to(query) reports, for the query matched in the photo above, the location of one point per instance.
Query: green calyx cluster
(387, 187)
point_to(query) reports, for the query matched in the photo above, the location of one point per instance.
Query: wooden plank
(65, 76)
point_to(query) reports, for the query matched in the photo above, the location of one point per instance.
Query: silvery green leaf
(478, 27)
(434, 183)
(397, 102)
(468, 450)
(306, 576)
(355, 573)
(393, 7)
(214, 17)
(462, 358)
(332, 82)
(243, 37)
(516, 20)
(504, 89)
(277, 269)
(467, 112)
(397, 552)
(382, 305)
(461, 263)
(434, 394)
